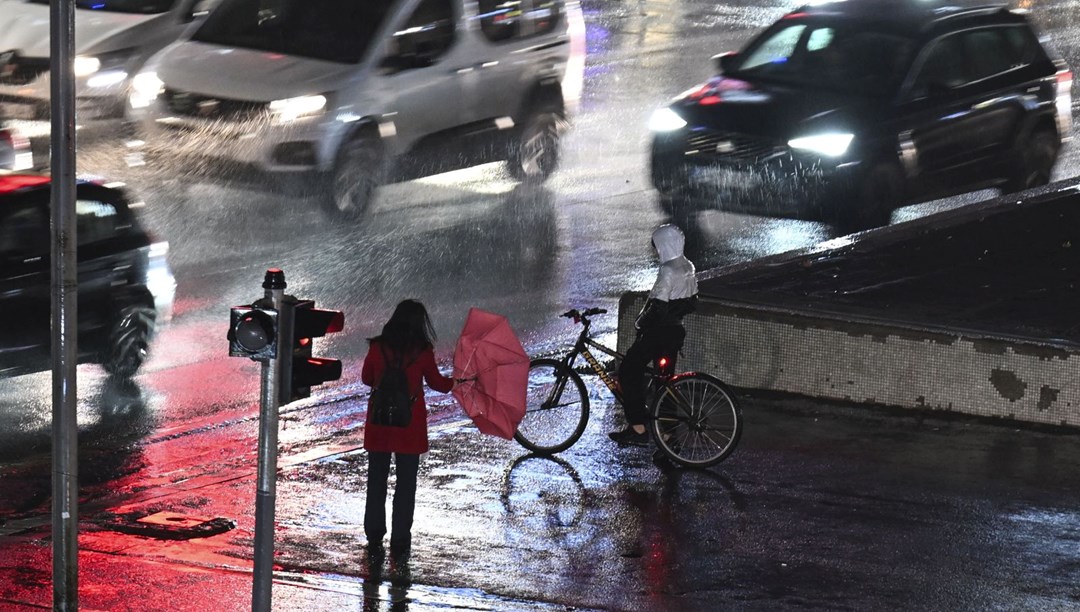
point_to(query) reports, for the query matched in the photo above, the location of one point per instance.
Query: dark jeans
(404, 498)
(651, 344)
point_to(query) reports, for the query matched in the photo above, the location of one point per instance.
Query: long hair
(409, 330)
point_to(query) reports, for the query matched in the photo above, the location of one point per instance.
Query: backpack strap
(400, 361)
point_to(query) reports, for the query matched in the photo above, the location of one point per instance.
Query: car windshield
(333, 30)
(141, 7)
(830, 56)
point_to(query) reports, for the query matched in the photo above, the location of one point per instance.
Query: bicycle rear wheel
(696, 420)
(556, 408)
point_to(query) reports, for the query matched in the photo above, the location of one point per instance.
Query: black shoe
(662, 461)
(629, 437)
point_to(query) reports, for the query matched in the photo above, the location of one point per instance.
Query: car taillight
(1063, 101)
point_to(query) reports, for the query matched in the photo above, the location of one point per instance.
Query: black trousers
(651, 344)
(404, 498)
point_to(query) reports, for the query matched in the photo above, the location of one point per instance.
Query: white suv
(369, 92)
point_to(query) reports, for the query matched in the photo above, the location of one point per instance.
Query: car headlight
(294, 108)
(145, 88)
(831, 145)
(85, 66)
(103, 69)
(665, 120)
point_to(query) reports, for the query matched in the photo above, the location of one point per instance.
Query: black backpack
(391, 403)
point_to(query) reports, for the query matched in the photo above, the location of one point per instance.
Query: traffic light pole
(265, 498)
(276, 331)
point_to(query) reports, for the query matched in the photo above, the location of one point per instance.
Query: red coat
(413, 438)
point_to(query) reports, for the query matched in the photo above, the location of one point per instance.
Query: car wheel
(874, 200)
(128, 343)
(1035, 161)
(534, 156)
(356, 177)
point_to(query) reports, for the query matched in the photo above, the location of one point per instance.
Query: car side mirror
(725, 62)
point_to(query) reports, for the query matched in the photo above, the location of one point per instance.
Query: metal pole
(274, 284)
(65, 285)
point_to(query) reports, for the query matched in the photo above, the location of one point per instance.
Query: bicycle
(694, 418)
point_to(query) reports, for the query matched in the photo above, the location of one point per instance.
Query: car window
(333, 30)
(510, 19)
(500, 20)
(943, 66)
(837, 57)
(988, 53)
(1023, 44)
(96, 221)
(542, 17)
(25, 232)
(428, 33)
(776, 49)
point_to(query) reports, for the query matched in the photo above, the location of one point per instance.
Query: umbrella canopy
(493, 373)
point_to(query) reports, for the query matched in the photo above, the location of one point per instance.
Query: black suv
(845, 111)
(125, 285)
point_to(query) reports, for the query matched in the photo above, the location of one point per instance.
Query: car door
(958, 113)
(107, 252)
(936, 125)
(24, 281)
(1000, 93)
(421, 75)
(520, 44)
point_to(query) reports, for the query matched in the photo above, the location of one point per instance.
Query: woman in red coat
(409, 335)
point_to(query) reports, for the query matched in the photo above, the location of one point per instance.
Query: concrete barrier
(875, 362)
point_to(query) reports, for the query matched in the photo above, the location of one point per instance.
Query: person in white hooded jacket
(660, 332)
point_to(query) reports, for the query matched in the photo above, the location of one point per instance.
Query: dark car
(845, 111)
(125, 285)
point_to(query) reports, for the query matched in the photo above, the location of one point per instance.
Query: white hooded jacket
(675, 291)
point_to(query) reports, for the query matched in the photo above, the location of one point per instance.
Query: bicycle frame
(581, 347)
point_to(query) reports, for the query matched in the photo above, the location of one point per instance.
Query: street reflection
(716, 239)
(112, 421)
(543, 496)
(387, 582)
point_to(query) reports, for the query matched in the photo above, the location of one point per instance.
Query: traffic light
(305, 371)
(253, 332)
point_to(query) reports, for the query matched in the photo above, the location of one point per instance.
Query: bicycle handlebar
(578, 315)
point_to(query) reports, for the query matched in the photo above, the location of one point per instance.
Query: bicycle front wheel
(556, 408)
(696, 420)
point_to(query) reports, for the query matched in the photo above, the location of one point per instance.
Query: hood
(25, 28)
(245, 74)
(777, 111)
(669, 241)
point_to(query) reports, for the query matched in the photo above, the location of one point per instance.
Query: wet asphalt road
(821, 507)
(811, 512)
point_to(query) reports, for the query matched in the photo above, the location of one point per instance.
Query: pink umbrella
(492, 370)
